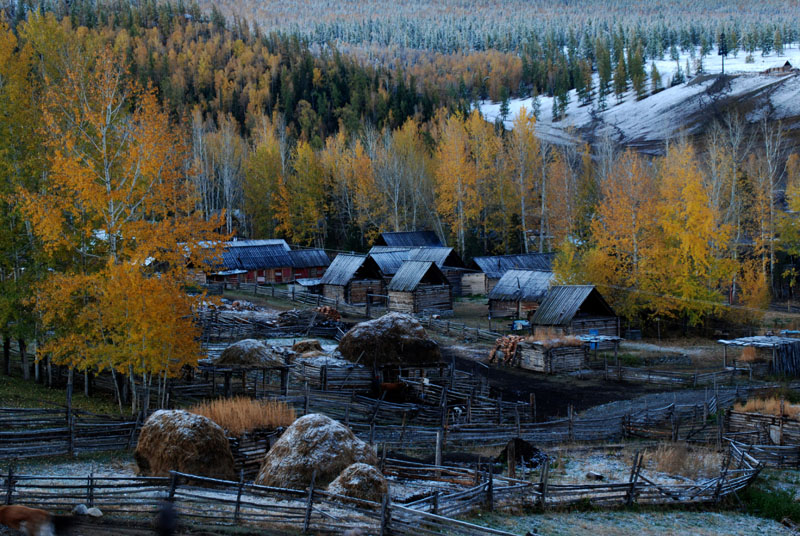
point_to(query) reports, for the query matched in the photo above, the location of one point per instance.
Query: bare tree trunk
(7, 355)
(26, 371)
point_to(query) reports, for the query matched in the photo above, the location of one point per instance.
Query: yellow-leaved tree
(116, 217)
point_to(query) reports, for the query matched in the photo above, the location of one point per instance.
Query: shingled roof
(494, 267)
(564, 302)
(442, 256)
(346, 267)
(255, 257)
(412, 273)
(409, 239)
(309, 258)
(526, 285)
(389, 259)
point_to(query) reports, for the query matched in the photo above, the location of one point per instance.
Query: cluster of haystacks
(394, 338)
(360, 481)
(176, 440)
(312, 443)
(247, 353)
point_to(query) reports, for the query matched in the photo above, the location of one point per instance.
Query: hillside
(685, 108)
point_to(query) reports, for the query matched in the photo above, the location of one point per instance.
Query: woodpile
(329, 312)
(505, 349)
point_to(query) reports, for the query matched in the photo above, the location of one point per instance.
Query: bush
(240, 415)
(771, 504)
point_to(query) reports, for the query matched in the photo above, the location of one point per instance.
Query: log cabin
(487, 271)
(575, 310)
(354, 279)
(518, 293)
(420, 286)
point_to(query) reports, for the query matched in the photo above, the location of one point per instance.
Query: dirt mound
(523, 451)
(394, 338)
(176, 440)
(313, 442)
(361, 481)
(307, 345)
(248, 352)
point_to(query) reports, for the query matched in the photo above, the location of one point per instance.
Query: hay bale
(394, 338)
(306, 346)
(176, 440)
(312, 442)
(360, 481)
(247, 352)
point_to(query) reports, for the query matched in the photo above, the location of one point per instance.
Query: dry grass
(240, 415)
(769, 406)
(678, 459)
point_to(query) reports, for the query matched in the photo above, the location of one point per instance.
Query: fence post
(71, 435)
(173, 485)
(436, 502)
(386, 515)
(239, 496)
(10, 484)
(533, 406)
(637, 464)
(511, 456)
(571, 429)
(310, 501)
(543, 483)
(490, 491)
(90, 490)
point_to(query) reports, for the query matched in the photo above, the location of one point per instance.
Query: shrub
(240, 415)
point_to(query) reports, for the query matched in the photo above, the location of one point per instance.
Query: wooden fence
(448, 492)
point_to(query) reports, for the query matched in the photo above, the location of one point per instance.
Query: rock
(591, 475)
(94, 512)
(80, 510)
(394, 338)
(360, 481)
(176, 440)
(313, 442)
(307, 345)
(247, 352)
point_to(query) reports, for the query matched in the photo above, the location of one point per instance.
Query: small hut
(446, 259)
(486, 271)
(420, 286)
(309, 263)
(389, 259)
(575, 310)
(553, 356)
(354, 279)
(518, 293)
(254, 261)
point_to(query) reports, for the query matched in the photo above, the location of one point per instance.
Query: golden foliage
(240, 415)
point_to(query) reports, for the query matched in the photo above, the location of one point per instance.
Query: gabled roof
(309, 258)
(565, 302)
(346, 267)
(389, 260)
(526, 285)
(412, 273)
(409, 239)
(255, 257)
(494, 267)
(442, 256)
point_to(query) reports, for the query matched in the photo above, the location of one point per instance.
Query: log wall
(473, 284)
(424, 298)
(361, 288)
(551, 360)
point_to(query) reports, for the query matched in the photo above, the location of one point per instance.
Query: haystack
(361, 481)
(248, 352)
(313, 442)
(394, 338)
(176, 440)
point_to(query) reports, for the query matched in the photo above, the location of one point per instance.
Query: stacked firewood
(329, 312)
(505, 349)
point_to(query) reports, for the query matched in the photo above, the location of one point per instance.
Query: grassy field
(18, 393)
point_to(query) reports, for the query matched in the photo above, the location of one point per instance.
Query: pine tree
(620, 80)
(655, 79)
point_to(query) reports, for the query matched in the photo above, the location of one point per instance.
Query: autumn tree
(524, 161)
(300, 200)
(117, 218)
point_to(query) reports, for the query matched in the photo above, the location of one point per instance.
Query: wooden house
(254, 261)
(518, 293)
(389, 259)
(419, 286)
(552, 356)
(575, 310)
(309, 263)
(446, 259)
(487, 271)
(355, 279)
(409, 239)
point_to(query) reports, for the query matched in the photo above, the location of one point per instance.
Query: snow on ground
(665, 114)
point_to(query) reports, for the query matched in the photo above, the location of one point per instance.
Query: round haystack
(247, 352)
(394, 338)
(360, 481)
(176, 440)
(313, 442)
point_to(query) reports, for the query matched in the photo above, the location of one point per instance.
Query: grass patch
(240, 415)
(771, 504)
(769, 406)
(18, 393)
(678, 459)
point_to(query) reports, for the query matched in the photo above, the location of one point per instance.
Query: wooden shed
(420, 286)
(254, 261)
(446, 259)
(309, 263)
(486, 271)
(575, 310)
(389, 259)
(518, 293)
(552, 356)
(355, 279)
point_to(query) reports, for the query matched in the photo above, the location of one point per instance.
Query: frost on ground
(648, 523)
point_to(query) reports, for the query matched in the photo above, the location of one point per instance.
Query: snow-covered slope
(689, 107)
